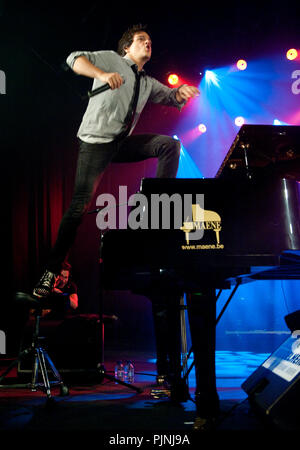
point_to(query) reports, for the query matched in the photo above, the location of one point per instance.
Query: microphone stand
(100, 366)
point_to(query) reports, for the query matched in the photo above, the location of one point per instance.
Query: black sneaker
(45, 285)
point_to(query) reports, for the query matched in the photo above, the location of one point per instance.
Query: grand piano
(241, 226)
(245, 227)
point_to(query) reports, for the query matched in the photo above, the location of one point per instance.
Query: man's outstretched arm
(177, 97)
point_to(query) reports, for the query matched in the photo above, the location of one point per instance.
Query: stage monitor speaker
(274, 388)
(293, 320)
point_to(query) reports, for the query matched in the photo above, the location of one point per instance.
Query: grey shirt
(104, 117)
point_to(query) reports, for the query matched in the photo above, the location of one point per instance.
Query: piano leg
(166, 317)
(202, 319)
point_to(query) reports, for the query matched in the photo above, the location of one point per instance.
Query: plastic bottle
(119, 371)
(129, 372)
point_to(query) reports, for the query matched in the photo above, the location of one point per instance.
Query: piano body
(250, 222)
(249, 218)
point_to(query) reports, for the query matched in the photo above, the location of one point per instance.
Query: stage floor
(101, 406)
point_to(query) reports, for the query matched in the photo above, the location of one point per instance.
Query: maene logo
(202, 220)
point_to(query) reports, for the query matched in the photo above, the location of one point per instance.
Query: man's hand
(74, 301)
(186, 92)
(114, 79)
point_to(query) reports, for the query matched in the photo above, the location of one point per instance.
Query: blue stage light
(211, 77)
(187, 167)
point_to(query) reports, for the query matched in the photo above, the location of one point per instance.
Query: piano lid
(271, 148)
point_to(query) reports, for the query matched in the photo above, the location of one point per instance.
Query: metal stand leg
(35, 370)
(184, 351)
(22, 355)
(46, 383)
(41, 362)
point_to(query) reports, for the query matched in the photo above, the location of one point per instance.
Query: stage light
(239, 121)
(241, 64)
(202, 128)
(175, 137)
(291, 54)
(173, 79)
(279, 122)
(211, 77)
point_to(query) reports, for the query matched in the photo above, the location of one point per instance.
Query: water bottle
(119, 371)
(129, 372)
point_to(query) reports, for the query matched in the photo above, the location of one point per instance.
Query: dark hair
(127, 38)
(66, 266)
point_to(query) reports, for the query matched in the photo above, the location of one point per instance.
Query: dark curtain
(38, 159)
(40, 152)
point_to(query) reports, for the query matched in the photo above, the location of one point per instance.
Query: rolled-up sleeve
(102, 59)
(164, 95)
(72, 57)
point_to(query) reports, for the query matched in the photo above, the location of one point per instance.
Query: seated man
(64, 297)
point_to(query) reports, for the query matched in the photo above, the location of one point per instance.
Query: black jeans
(93, 159)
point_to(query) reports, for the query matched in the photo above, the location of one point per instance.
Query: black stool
(42, 363)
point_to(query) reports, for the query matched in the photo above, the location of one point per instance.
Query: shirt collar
(134, 66)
